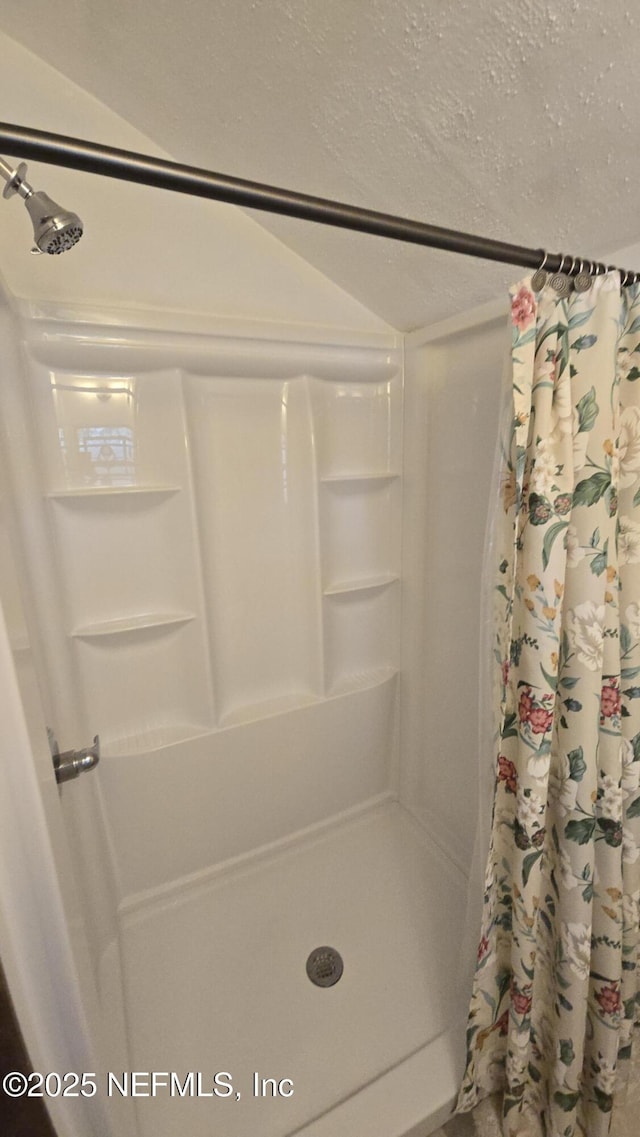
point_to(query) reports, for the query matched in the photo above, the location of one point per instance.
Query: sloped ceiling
(512, 120)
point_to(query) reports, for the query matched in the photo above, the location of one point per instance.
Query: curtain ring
(560, 281)
(582, 280)
(539, 278)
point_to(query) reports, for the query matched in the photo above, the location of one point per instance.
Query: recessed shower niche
(225, 530)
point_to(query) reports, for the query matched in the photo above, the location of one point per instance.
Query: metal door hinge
(71, 763)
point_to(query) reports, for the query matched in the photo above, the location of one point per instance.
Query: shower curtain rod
(127, 165)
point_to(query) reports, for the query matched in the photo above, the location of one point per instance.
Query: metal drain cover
(324, 966)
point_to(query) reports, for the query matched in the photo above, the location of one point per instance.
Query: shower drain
(324, 966)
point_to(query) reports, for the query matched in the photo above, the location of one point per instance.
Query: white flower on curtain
(555, 997)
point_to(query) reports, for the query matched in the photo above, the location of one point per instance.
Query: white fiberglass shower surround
(203, 562)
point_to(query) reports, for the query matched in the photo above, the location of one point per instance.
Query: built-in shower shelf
(361, 680)
(354, 479)
(345, 587)
(92, 492)
(267, 708)
(155, 738)
(125, 625)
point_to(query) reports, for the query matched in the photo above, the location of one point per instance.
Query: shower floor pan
(216, 983)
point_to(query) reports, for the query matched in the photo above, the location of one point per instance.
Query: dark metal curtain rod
(75, 153)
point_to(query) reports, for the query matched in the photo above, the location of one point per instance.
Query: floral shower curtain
(555, 995)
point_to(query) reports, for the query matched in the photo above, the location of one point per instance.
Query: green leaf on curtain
(567, 1102)
(611, 831)
(567, 1053)
(595, 539)
(588, 410)
(635, 742)
(583, 342)
(635, 327)
(636, 497)
(549, 538)
(577, 764)
(569, 681)
(534, 1073)
(628, 672)
(629, 1007)
(580, 318)
(590, 490)
(528, 337)
(599, 564)
(528, 863)
(625, 637)
(563, 358)
(503, 986)
(604, 1101)
(509, 728)
(632, 692)
(550, 680)
(488, 1000)
(552, 331)
(633, 810)
(587, 893)
(633, 374)
(580, 831)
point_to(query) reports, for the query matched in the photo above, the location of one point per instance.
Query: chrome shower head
(54, 229)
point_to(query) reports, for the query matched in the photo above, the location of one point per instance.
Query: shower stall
(227, 557)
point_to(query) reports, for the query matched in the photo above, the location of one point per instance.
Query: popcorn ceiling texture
(515, 121)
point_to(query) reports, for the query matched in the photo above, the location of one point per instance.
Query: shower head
(54, 229)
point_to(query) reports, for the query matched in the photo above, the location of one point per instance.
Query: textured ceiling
(515, 121)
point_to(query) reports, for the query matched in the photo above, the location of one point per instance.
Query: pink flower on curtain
(520, 1000)
(523, 308)
(483, 948)
(525, 706)
(610, 699)
(540, 720)
(507, 774)
(609, 999)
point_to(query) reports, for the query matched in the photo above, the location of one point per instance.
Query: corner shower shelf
(93, 492)
(146, 622)
(361, 585)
